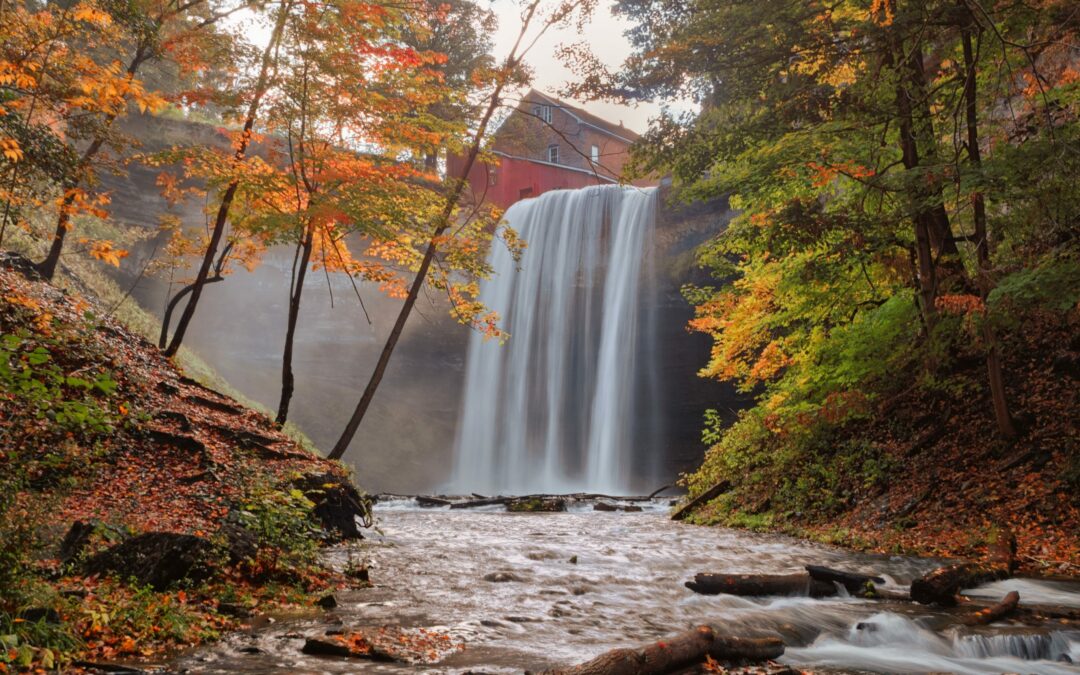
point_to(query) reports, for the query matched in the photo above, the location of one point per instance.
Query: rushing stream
(579, 583)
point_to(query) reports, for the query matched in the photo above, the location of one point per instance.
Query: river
(579, 583)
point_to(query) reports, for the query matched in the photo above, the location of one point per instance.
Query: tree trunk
(230, 191)
(991, 614)
(676, 653)
(287, 381)
(441, 225)
(942, 585)
(935, 247)
(982, 245)
(852, 581)
(760, 584)
(702, 499)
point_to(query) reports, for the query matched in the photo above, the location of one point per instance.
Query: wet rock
(573, 560)
(520, 619)
(236, 610)
(536, 505)
(579, 590)
(337, 504)
(542, 555)
(353, 646)
(37, 614)
(241, 543)
(114, 668)
(491, 623)
(627, 508)
(75, 540)
(316, 647)
(157, 559)
(327, 601)
(250, 650)
(501, 577)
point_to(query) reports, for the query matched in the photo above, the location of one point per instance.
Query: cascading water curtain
(555, 408)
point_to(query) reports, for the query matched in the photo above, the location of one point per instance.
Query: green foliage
(1054, 284)
(857, 268)
(281, 518)
(75, 403)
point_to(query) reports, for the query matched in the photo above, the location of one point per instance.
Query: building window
(553, 154)
(543, 112)
(595, 154)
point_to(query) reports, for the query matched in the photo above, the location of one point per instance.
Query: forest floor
(934, 478)
(97, 428)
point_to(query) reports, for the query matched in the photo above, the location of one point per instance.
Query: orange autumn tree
(336, 167)
(339, 115)
(59, 74)
(149, 30)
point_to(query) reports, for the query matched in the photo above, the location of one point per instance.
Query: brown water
(626, 588)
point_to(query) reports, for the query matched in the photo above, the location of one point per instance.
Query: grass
(81, 273)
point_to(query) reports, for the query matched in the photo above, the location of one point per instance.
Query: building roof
(584, 117)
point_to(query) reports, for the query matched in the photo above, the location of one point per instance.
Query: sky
(605, 34)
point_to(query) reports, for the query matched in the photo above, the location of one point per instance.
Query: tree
(58, 83)
(508, 73)
(338, 174)
(850, 136)
(230, 175)
(154, 30)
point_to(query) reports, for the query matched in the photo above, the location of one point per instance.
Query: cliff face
(405, 444)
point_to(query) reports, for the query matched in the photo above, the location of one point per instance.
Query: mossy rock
(536, 505)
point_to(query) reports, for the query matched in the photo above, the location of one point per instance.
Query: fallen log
(993, 613)
(431, 502)
(852, 581)
(894, 594)
(707, 496)
(492, 501)
(761, 584)
(676, 653)
(942, 585)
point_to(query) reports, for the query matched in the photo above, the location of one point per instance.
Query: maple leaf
(106, 252)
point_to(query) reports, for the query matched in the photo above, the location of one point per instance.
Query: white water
(554, 408)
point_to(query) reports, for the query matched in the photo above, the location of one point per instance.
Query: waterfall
(562, 404)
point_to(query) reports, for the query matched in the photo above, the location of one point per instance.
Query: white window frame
(553, 153)
(594, 154)
(543, 112)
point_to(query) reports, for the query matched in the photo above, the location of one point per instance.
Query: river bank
(140, 511)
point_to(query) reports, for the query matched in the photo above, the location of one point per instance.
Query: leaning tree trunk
(230, 192)
(300, 265)
(442, 223)
(982, 245)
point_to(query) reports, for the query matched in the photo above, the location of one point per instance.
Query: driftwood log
(431, 502)
(677, 653)
(707, 496)
(942, 585)
(761, 584)
(852, 581)
(993, 613)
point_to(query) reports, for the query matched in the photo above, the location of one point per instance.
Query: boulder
(76, 540)
(536, 505)
(337, 504)
(157, 559)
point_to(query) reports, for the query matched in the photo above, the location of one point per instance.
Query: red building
(546, 144)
